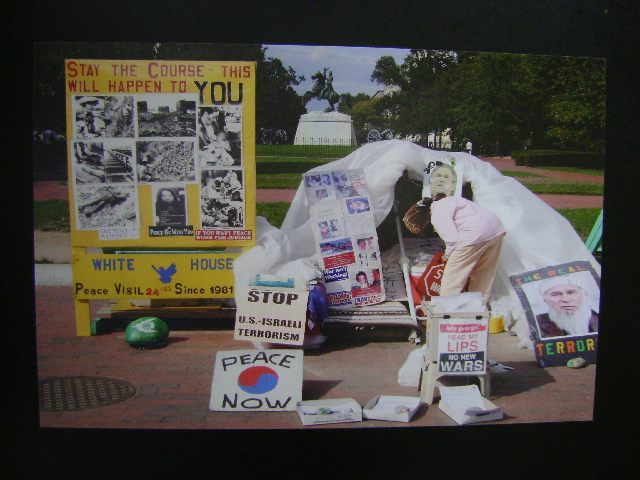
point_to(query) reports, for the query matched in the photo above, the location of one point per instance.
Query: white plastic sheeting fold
(537, 236)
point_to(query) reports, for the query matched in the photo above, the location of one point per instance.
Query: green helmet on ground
(146, 332)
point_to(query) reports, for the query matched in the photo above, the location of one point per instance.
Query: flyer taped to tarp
(345, 233)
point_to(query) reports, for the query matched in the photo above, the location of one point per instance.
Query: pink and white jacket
(461, 222)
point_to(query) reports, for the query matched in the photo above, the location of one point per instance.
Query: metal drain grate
(58, 394)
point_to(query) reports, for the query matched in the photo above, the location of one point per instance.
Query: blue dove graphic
(165, 273)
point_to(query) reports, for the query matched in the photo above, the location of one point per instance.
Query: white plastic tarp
(537, 236)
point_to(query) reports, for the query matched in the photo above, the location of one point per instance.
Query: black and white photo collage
(167, 141)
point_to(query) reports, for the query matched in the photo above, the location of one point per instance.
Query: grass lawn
(283, 159)
(285, 166)
(513, 173)
(53, 215)
(587, 171)
(567, 188)
(274, 212)
(582, 219)
(278, 180)
(329, 152)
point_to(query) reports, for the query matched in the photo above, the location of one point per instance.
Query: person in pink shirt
(473, 237)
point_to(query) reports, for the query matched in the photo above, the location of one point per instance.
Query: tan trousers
(473, 263)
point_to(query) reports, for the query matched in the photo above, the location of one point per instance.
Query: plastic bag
(409, 373)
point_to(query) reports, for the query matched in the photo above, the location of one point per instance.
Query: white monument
(325, 128)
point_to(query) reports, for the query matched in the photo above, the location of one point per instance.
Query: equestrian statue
(322, 90)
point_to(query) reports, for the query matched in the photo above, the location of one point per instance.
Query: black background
(577, 449)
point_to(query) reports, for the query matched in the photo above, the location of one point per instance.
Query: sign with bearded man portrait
(569, 311)
(562, 308)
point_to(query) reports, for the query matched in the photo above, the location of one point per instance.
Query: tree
(505, 101)
(49, 94)
(499, 101)
(422, 104)
(576, 112)
(365, 115)
(347, 101)
(387, 72)
(277, 105)
(487, 103)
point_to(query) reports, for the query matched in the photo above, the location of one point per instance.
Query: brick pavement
(174, 382)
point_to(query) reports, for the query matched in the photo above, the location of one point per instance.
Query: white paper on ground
(390, 403)
(464, 400)
(342, 409)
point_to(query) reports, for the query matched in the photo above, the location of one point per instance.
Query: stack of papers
(465, 405)
(462, 302)
(392, 408)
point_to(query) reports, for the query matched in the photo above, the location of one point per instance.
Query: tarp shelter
(537, 235)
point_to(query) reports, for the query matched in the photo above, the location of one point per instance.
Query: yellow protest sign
(154, 276)
(161, 157)
(161, 153)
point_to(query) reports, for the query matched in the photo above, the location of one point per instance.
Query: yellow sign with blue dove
(161, 161)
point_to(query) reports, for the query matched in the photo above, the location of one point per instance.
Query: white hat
(559, 280)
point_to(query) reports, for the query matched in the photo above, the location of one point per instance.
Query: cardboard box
(337, 410)
(491, 412)
(392, 408)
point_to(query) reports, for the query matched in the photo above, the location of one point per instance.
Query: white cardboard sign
(259, 380)
(267, 314)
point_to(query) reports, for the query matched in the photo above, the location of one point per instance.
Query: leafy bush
(558, 158)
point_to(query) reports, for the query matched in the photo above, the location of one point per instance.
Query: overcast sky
(351, 66)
